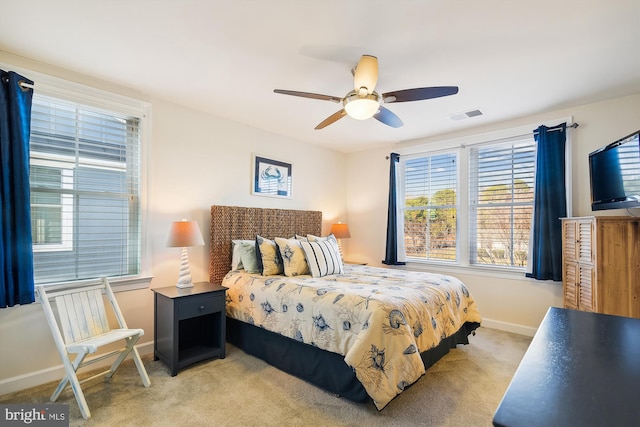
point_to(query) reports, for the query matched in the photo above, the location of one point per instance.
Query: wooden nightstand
(189, 324)
(355, 262)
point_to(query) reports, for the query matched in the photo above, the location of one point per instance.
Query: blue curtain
(391, 254)
(16, 256)
(550, 204)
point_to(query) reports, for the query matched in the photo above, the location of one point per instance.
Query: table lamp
(184, 234)
(341, 231)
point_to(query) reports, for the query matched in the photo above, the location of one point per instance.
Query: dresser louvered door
(586, 291)
(570, 273)
(587, 300)
(570, 285)
(601, 264)
(578, 267)
(584, 240)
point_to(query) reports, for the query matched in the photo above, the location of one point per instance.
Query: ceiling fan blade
(366, 74)
(331, 119)
(418, 94)
(388, 117)
(309, 95)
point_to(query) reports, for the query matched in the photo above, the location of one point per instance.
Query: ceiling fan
(364, 102)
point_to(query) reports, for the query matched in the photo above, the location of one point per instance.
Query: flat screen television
(614, 172)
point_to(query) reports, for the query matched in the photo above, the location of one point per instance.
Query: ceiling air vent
(465, 115)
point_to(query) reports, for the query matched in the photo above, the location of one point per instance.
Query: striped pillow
(330, 237)
(323, 258)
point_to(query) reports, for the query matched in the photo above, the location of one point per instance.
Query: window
(469, 204)
(430, 207)
(501, 202)
(51, 211)
(85, 191)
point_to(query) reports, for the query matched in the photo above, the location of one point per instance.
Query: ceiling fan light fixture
(363, 102)
(361, 107)
(365, 75)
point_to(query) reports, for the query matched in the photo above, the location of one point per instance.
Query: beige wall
(196, 160)
(505, 301)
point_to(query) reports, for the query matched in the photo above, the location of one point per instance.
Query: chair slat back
(82, 315)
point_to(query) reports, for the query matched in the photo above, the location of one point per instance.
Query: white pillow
(330, 237)
(322, 257)
(236, 262)
(248, 257)
(313, 238)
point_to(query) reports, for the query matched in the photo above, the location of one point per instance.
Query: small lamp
(341, 231)
(184, 234)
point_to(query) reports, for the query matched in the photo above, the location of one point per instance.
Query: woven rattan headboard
(233, 222)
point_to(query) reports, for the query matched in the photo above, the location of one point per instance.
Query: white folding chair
(82, 318)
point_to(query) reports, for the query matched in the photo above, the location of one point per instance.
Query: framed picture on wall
(271, 178)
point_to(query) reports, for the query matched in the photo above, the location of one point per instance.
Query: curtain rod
(553, 129)
(22, 83)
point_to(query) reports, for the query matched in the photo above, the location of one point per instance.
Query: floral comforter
(379, 319)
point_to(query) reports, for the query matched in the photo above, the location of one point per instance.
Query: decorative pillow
(248, 257)
(268, 256)
(303, 238)
(313, 238)
(236, 262)
(322, 257)
(292, 255)
(330, 237)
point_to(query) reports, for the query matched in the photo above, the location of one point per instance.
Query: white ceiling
(509, 58)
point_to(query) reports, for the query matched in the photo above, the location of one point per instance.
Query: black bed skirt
(322, 368)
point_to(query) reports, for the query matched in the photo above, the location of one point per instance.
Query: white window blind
(85, 191)
(501, 201)
(430, 206)
(629, 168)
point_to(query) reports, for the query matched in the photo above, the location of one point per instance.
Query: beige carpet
(462, 389)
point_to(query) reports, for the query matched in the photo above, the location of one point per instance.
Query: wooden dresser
(601, 264)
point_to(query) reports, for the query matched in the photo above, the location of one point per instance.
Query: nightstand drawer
(199, 307)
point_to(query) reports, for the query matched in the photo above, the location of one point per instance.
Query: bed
(365, 334)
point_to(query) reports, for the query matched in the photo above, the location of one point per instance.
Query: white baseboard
(509, 327)
(54, 373)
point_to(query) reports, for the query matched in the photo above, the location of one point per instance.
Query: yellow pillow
(268, 257)
(293, 258)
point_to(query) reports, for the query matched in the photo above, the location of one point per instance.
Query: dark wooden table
(581, 369)
(189, 324)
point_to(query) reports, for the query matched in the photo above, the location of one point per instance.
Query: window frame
(99, 99)
(401, 197)
(66, 207)
(461, 144)
(475, 205)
